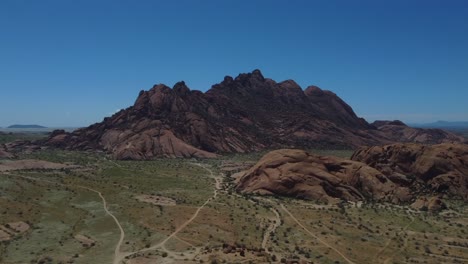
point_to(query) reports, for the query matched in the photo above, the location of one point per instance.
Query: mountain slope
(398, 131)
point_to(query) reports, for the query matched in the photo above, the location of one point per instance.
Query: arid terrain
(237, 132)
(251, 171)
(81, 207)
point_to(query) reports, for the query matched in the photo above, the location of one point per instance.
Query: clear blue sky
(71, 63)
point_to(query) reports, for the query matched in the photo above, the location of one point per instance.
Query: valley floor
(186, 211)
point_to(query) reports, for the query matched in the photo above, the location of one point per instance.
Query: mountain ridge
(242, 114)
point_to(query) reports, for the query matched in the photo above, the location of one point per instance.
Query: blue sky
(71, 63)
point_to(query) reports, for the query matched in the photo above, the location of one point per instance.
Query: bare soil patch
(32, 164)
(10, 230)
(234, 167)
(19, 227)
(85, 241)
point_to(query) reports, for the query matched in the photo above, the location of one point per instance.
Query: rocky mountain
(398, 173)
(242, 114)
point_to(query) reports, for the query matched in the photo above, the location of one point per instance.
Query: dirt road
(117, 253)
(160, 245)
(271, 228)
(388, 243)
(314, 236)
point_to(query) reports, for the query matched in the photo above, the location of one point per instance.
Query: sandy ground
(32, 164)
(155, 199)
(4, 236)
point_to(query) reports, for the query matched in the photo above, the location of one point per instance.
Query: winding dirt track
(117, 252)
(316, 237)
(271, 228)
(121, 255)
(388, 243)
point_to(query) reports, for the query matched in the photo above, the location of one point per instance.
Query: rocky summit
(398, 173)
(242, 114)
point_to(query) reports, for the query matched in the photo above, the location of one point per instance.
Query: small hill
(26, 126)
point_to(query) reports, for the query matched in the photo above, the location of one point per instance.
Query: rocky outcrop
(297, 173)
(441, 168)
(398, 131)
(431, 204)
(399, 173)
(12, 149)
(4, 154)
(242, 114)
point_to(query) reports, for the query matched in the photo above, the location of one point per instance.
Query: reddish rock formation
(11, 149)
(242, 114)
(398, 173)
(4, 154)
(297, 173)
(441, 168)
(432, 204)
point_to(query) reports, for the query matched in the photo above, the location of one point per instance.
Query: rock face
(399, 173)
(398, 131)
(441, 168)
(242, 114)
(297, 173)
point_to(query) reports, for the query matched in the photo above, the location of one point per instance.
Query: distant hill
(26, 126)
(443, 124)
